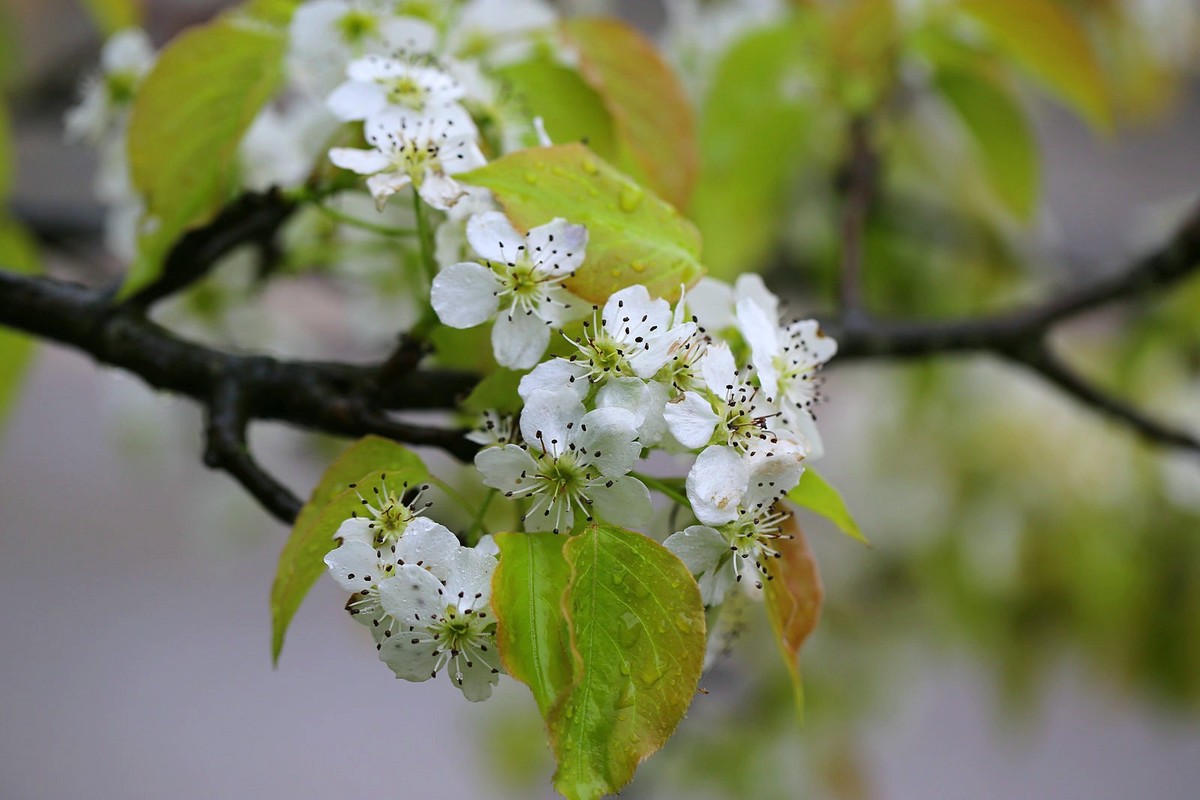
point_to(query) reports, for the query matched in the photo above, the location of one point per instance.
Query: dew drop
(531, 179)
(631, 198)
(589, 166)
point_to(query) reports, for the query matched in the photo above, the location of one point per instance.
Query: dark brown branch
(227, 448)
(859, 177)
(329, 397)
(1050, 367)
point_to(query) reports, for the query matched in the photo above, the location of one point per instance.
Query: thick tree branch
(228, 449)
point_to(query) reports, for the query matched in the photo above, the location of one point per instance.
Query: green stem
(425, 237)
(664, 488)
(477, 523)
(346, 219)
(450, 491)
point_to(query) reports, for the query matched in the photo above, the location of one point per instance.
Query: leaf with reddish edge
(793, 595)
(654, 119)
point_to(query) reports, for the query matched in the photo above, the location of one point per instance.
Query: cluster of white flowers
(642, 375)
(424, 597)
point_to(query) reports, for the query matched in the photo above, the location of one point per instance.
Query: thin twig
(859, 176)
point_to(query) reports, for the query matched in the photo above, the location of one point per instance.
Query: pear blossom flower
(499, 31)
(423, 152)
(715, 303)
(496, 430)
(416, 89)
(788, 361)
(732, 411)
(734, 498)
(125, 59)
(571, 462)
(326, 34)
(520, 285)
(442, 617)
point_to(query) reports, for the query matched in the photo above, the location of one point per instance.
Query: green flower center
(404, 91)
(357, 26)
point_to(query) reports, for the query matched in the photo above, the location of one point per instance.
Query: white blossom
(415, 89)
(787, 362)
(424, 152)
(634, 336)
(443, 619)
(495, 430)
(326, 34)
(714, 303)
(106, 96)
(520, 284)
(735, 498)
(499, 31)
(572, 461)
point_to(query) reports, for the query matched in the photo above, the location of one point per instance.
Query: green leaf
(111, 16)
(571, 110)
(817, 495)
(18, 253)
(739, 201)
(793, 595)
(652, 113)
(637, 625)
(301, 562)
(188, 118)
(527, 595)
(633, 236)
(998, 127)
(496, 392)
(1049, 41)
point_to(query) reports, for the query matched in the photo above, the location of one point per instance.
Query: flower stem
(476, 530)
(664, 487)
(347, 219)
(424, 237)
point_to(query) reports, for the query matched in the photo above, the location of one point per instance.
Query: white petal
(718, 369)
(503, 467)
(364, 162)
(519, 340)
(712, 303)
(355, 100)
(354, 565)
(691, 420)
(470, 582)
(493, 237)
(464, 294)
(549, 417)
(716, 485)
(806, 427)
(701, 550)
(356, 529)
(609, 437)
(480, 676)
(762, 334)
(659, 346)
(461, 155)
(819, 346)
(440, 191)
(413, 596)
(750, 286)
(412, 661)
(409, 34)
(487, 545)
(623, 501)
(555, 374)
(428, 544)
(558, 246)
(385, 184)
(644, 400)
(774, 471)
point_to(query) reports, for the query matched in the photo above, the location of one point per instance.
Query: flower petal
(414, 596)
(505, 468)
(354, 100)
(520, 339)
(762, 334)
(718, 369)
(691, 420)
(558, 246)
(412, 655)
(493, 237)
(470, 581)
(364, 162)
(623, 501)
(702, 549)
(716, 485)
(465, 294)
(557, 373)
(354, 565)
(774, 471)
(549, 419)
(429, 545)
(609, 438)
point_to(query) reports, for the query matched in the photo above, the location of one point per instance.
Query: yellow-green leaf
(111, 16)
(532, 633)
(818, 495)
(739, 200)
(571, 110)
(301, 562)
(188, 118)
(1001, 133)
(633, 236)
(652, 113)
(793, 597)
(637, 625)
(1049, 41)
